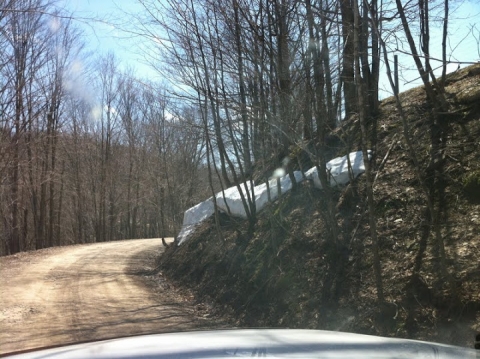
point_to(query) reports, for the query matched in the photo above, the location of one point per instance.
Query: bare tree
(22, 24)
(433, 176)
(361, 81)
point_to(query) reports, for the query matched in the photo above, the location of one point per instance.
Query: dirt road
(88, 292)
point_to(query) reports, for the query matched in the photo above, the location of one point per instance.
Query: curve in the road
(87, 292)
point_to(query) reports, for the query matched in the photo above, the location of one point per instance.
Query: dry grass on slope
(284, 277)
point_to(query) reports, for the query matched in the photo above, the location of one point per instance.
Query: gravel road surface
(89, 292)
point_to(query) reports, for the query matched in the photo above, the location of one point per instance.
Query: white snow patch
(230, 201)
(338, 169)
(193, 217)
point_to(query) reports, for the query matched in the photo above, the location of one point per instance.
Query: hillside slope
(283, 277)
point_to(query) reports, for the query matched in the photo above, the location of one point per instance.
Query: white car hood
(272, 343)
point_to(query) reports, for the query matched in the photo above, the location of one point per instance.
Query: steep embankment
(284, 276)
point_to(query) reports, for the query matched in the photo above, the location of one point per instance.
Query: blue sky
(102, 36)
(461, 46)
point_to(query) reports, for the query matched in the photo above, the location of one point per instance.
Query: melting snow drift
(230, 200)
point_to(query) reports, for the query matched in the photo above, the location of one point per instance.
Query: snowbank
(230, 201)
(193, 217)
(338, 169)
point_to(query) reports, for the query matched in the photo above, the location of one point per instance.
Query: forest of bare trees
(89, 153)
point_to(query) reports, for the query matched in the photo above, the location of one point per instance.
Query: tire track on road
(86, 292)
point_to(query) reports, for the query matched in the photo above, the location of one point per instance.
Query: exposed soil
(80, 293)
(286, 276)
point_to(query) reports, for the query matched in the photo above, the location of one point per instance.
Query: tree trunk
(348, 76)
(361, 93)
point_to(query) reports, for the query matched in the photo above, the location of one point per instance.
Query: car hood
(273, 343)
